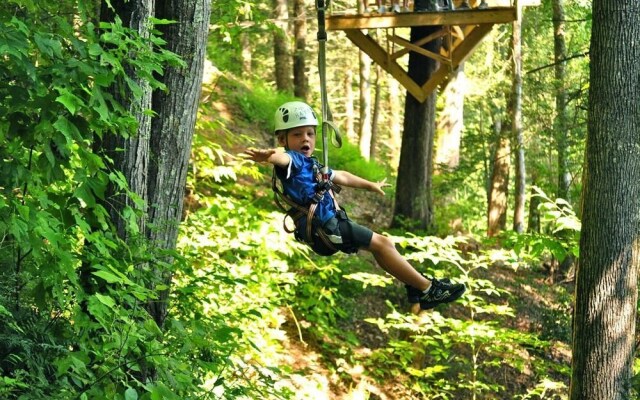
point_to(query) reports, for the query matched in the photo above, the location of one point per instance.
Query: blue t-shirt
(299, 183)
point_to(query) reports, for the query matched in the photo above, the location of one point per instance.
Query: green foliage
(259, 103)
(562, 232)
(348, 158)
(74, 291)
(472, 348)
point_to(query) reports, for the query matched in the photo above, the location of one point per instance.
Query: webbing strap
(327, 118)
(296, 211)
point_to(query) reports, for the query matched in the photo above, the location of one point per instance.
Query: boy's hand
(377, 186)
(259, 155)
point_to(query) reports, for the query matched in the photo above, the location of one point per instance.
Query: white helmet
(294, 114)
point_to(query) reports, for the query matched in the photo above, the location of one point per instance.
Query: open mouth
(305, 148)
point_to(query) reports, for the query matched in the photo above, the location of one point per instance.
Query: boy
(326, 228)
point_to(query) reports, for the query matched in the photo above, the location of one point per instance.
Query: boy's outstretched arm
(273, 156)
(344, 178)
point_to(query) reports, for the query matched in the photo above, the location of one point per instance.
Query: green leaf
(130, 394)
(67, 128)
(106, 300)
(69, 100)
(108, 276)
(48, 46)
(83, 193)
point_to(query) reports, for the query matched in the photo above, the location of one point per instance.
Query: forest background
(232, 306)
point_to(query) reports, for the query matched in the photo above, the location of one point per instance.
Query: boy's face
(301, 139)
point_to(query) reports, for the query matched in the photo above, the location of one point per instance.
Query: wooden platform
(461, 31)
(494, 15)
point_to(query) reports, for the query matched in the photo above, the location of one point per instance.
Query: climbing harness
(295, 211)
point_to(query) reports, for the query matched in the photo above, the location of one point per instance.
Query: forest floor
(538, 309)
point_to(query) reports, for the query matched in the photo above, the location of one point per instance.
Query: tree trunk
(606, 280)
(413, 191)
(561, 127)
(349, 119)
(172, 130)
(376, 115)
(534, 201)
(246, 53)
(130, 156)
(516, 121)
(281, 52)
(365, 105)
(395, 122)
(451, 122)
(300, 82)
(497, 212)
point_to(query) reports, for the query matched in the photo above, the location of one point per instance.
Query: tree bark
(451, 122)
(131, 155)
(349, 119)
(281, 51)
(376, 116)
(499, 184)
(516, 122)
(300, 82)
(395, 122)
(246, 55)
(534, 214)
(413, 192)
(606, 279)
(365, 105)
(172, 130)
(561, 127)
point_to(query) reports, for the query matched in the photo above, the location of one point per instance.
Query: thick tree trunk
(413, 191)
(516, 125)
(365, 105)
(281, 50)
(606, 280)
(451, 122)
(130, 156)
(499, 184)
(561, 127)
(172, 130)
(300, 82)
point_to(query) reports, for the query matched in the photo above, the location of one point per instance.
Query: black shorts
(344, 234)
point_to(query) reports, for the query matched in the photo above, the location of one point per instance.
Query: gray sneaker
(440, 292)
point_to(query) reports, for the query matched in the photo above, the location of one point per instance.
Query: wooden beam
(381, 57)
(464, 49)
(457, 17)
(458, 56)
(417, 49)
(420, 42)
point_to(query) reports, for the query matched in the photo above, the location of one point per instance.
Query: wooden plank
(457, 17)
(464, 49)
(435, 80)
(459, 55)
(381, 57)
(420, 42)
(412, 47)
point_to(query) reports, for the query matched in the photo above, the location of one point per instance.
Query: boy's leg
(386, 254)
(439, 291)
